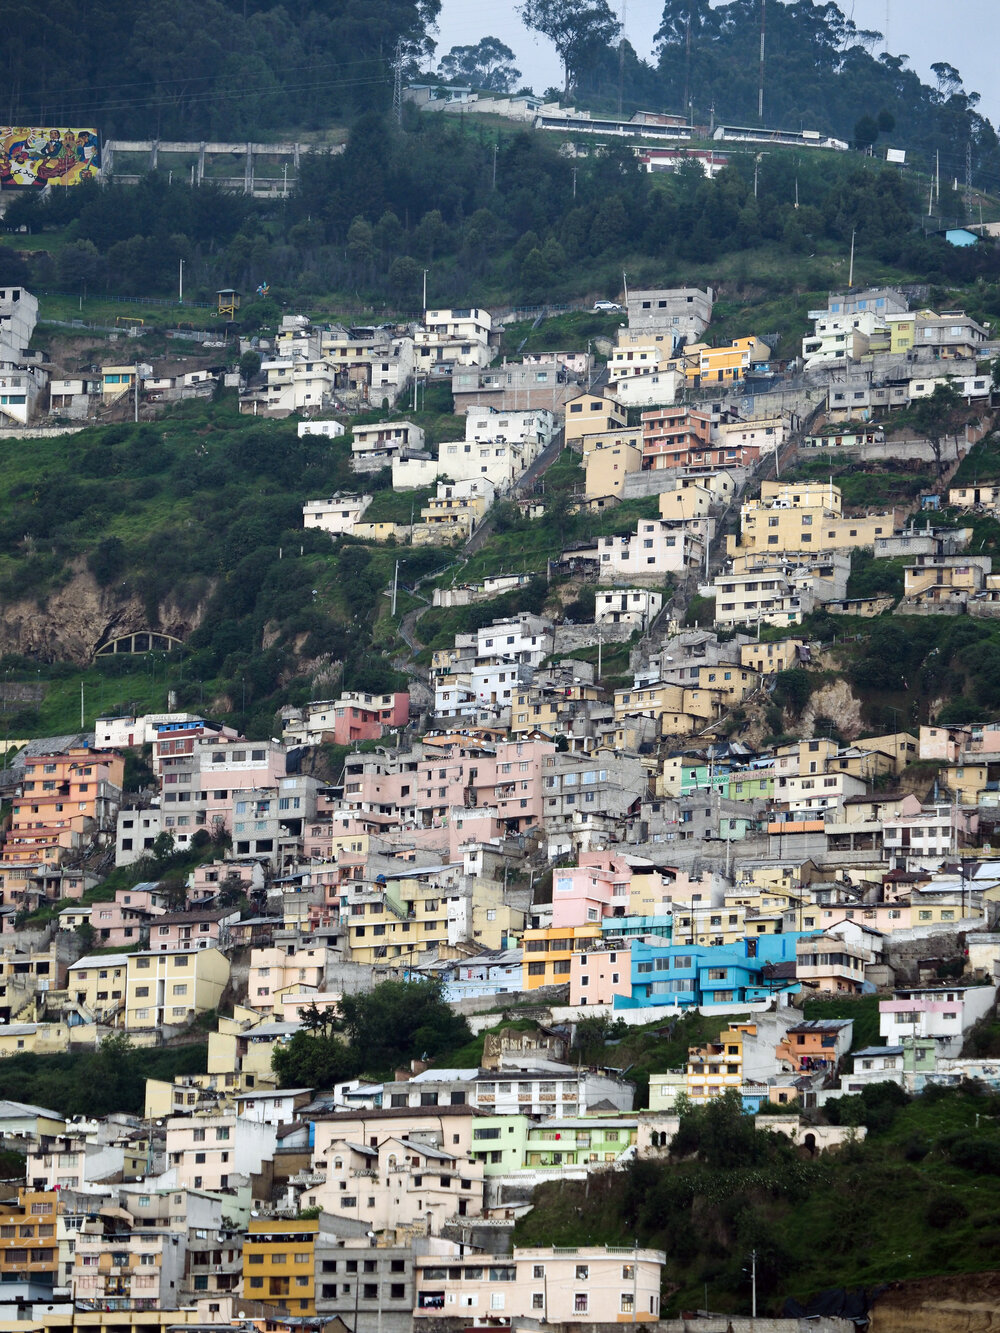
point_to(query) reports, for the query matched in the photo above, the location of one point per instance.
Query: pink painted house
(588, 892)
(180, 738)
(597, 976)
(355, 716)
(593, 1284)
(124, 923)
(202, 928)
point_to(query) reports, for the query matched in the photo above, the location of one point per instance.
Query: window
(580, 1302)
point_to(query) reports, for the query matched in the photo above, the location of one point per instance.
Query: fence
(136, 300)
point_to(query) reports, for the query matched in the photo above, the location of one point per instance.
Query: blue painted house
(693, 975)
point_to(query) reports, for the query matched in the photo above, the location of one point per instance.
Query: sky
(963, 32)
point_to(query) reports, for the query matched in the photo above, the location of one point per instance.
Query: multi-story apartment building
(279, 1263)
(592, 414)
(29, 1257)
(167, 989)
(673, 436)
(63, 798)
(656, 549)
(806, 516)
(215, 1152)
(453, 337)
(679, 312)
(275, 972)
(590, 1285)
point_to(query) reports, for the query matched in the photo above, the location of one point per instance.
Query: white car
(607, 307)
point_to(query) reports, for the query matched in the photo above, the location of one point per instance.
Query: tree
(107, 561)
(579, 32)
(163, 846)
(866, 131)
(232, 891)
(488, 65)
(401, 1020)
(313, 1060)
(250, 364)
(315, 1019)
(939, 416)
(86, 935)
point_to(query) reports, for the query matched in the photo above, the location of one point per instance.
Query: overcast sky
(963, 32)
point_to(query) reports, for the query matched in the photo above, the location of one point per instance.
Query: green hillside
(915, 1198)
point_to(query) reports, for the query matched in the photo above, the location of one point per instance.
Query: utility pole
(395, 584)
(687, 61)
(426, 271)
(82, 723)
(496, 149)
(625, 285)
(937, 177)
(180, 283)
(137, 391)
(850, 275)
(753, 1279)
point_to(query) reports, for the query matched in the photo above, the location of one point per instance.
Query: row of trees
(492, 218)
(212, 68)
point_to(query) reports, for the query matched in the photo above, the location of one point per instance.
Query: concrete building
(590, 1285)
(683, 312)
(805, 516)
(168, 989)
(453, 337)
(337, 515)
(209, 1152)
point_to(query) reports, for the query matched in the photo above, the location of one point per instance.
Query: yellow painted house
(704, 365)
(548, 952)
(279, 1263)
(171, 988)
(717, 1067)
(590, 414)
(408, 917)
(770, 658)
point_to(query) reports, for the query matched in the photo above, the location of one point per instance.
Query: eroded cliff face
(79, 618)
(969, 1303)
(833, 700)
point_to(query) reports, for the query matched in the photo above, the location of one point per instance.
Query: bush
(977, 1154)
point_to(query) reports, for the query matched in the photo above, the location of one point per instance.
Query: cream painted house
(566, 1286)
(592, 414)
(804, 516)
(609, 457)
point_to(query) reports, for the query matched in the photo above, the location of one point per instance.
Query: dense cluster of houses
(516, 828)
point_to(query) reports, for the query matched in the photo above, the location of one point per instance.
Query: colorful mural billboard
(33, 156)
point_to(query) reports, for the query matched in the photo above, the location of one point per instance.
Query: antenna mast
(968, 180)
(397, 83)
(760, 93)
(621, 58)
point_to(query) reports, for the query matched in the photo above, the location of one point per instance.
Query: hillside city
(539, 851)
(500, 797)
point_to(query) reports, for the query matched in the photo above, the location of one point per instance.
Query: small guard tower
(228, 302)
